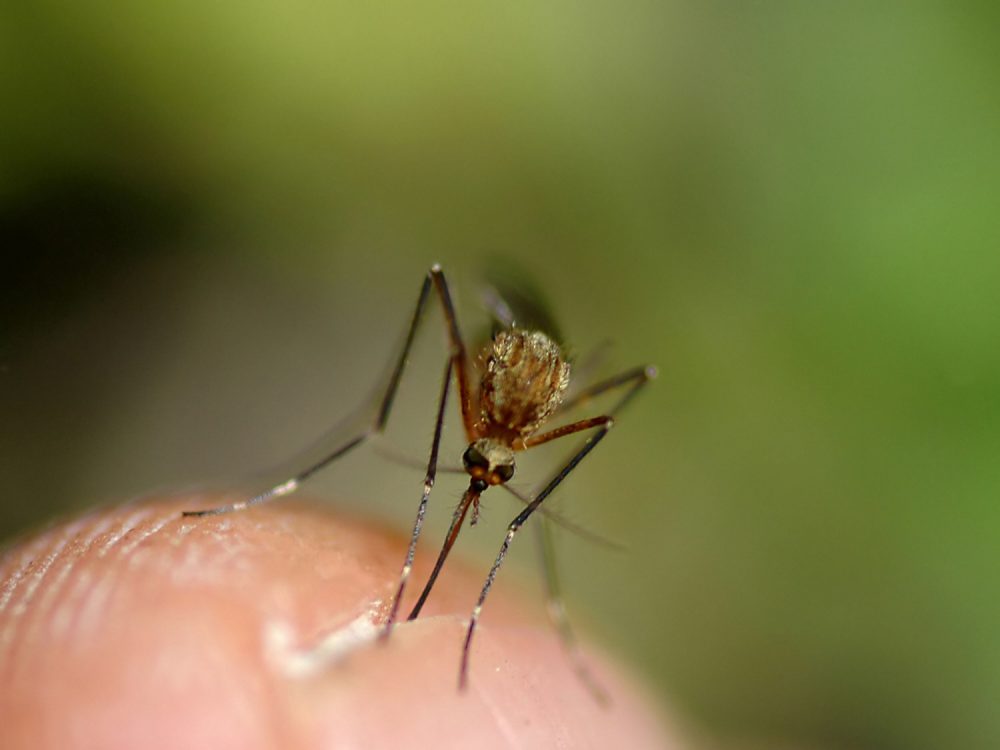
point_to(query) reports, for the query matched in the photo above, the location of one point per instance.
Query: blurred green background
(215, 218)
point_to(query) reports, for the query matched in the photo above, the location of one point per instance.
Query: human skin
(134, 627)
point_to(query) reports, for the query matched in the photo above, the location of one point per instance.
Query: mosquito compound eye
(473, 459)
(504, 472)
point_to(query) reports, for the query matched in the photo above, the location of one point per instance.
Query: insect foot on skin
(506, 395)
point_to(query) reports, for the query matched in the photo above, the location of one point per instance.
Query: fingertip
(138, 626)
(521, 693)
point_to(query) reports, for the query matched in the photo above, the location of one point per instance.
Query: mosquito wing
(514, 300)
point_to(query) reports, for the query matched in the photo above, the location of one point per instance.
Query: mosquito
(517, 384)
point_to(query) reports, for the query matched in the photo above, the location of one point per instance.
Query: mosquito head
(489, 462)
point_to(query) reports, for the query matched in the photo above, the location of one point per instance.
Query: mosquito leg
(558, 617)
(634, 378)
(568, 429)
(422, 508)
(285, 488)
(512, 530)
(434, 280)
(456, 525)
(458, 352)
(586, 365)
(571, 526)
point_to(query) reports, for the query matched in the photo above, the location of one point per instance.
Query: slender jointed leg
(422, 508)
(435, 279)
(557, 613)
(568, 429)
(635, 378)
(512, 530)
(604, 422)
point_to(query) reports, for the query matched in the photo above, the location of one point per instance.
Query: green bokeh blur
(215, 218)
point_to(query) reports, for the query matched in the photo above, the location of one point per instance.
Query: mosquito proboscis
(517, 384)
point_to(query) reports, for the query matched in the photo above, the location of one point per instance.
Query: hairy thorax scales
(524, 379)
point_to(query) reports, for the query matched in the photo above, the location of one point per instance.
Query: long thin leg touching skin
(557, 613)
(471, 498)
(285, 488)
(435, 279)
(635, 378)
(456, 525)
(422, 508)
(512, 530)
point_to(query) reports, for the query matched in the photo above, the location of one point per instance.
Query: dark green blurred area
(215, 218)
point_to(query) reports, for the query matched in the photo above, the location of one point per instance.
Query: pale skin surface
(133, 627)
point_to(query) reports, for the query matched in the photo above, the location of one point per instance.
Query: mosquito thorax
(524, 378)
(489, 462)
